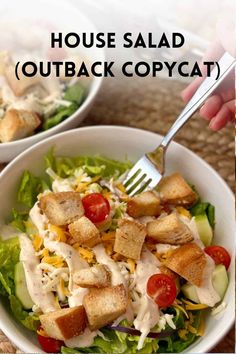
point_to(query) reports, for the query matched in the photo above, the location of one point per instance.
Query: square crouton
(105, 305)
(62, 208)
(176, 191)
(64, 324)
(169, 229)
(189, 261)
(97, 276)
(85, 232)
(129, 239)
(17, 124)
(144, 204)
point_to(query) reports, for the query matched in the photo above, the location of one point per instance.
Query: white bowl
(117, 143)
(67, 18)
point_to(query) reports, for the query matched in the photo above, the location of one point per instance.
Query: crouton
(17, 124)
(189, 261)
(105, 305)
(62, 208)
(65, 323)
(19, 87)
(85, 232)
(167, 271)
(176, 191)
(169, 229)
(97, 276)
(144, 204)
(129, 238)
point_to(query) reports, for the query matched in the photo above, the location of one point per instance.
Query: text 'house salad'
(91, 269)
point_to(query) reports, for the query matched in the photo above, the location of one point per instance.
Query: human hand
(219, 109)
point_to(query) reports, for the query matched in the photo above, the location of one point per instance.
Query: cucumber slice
(220, 280)
(220, 283)
(21, 287)
(204, 229)
(190, 292)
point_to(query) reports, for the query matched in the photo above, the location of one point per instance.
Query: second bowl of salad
(32, 109)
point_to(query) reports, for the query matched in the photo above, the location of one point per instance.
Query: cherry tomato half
(219, 255)
(162, 289)
(50, 345)
(96, 207)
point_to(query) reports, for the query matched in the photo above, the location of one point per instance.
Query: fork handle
(226, 63)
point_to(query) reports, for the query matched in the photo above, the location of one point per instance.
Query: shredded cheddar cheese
(121, 188)
(183, 333)
(182, 211)
(108, 236)
(131, 264)
(55, 261)
(86, 254)
(201, 329)
(37, 242)
(59, 232)
(41, 332)
(182, 309)
(194, 307)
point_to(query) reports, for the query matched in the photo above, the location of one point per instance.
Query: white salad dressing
(116, 277)
(38, 219)
(33, 274)
(147, 310)
(83, 340)
(193, 228)
(71, 257)
(103, 258)
(76, 299)
(206, 293)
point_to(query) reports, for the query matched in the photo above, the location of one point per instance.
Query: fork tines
(142, 176)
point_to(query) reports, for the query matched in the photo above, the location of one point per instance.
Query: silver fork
(149, 170)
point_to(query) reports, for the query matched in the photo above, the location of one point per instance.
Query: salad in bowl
(91, 269)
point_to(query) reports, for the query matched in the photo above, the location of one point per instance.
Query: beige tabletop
(153, 104)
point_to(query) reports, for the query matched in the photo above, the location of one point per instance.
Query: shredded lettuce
(75, 93)
(115, 342)
(97, 165)
(18, 220)
(174, 344)
(204, 209)
(30, 187)
(9, 256)
(29, 321)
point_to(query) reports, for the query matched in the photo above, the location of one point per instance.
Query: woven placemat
(154, 104)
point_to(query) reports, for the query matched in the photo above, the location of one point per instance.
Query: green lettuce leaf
(30, 187)
(96, 165)
(29, 321)
(116, 342)
(174, 344)
(75, 93)
(61, 114)
(9, 256)
(18, 220)
(204, 208)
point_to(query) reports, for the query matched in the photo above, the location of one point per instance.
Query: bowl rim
(95, 85)
(20, 337)
(108, 127)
